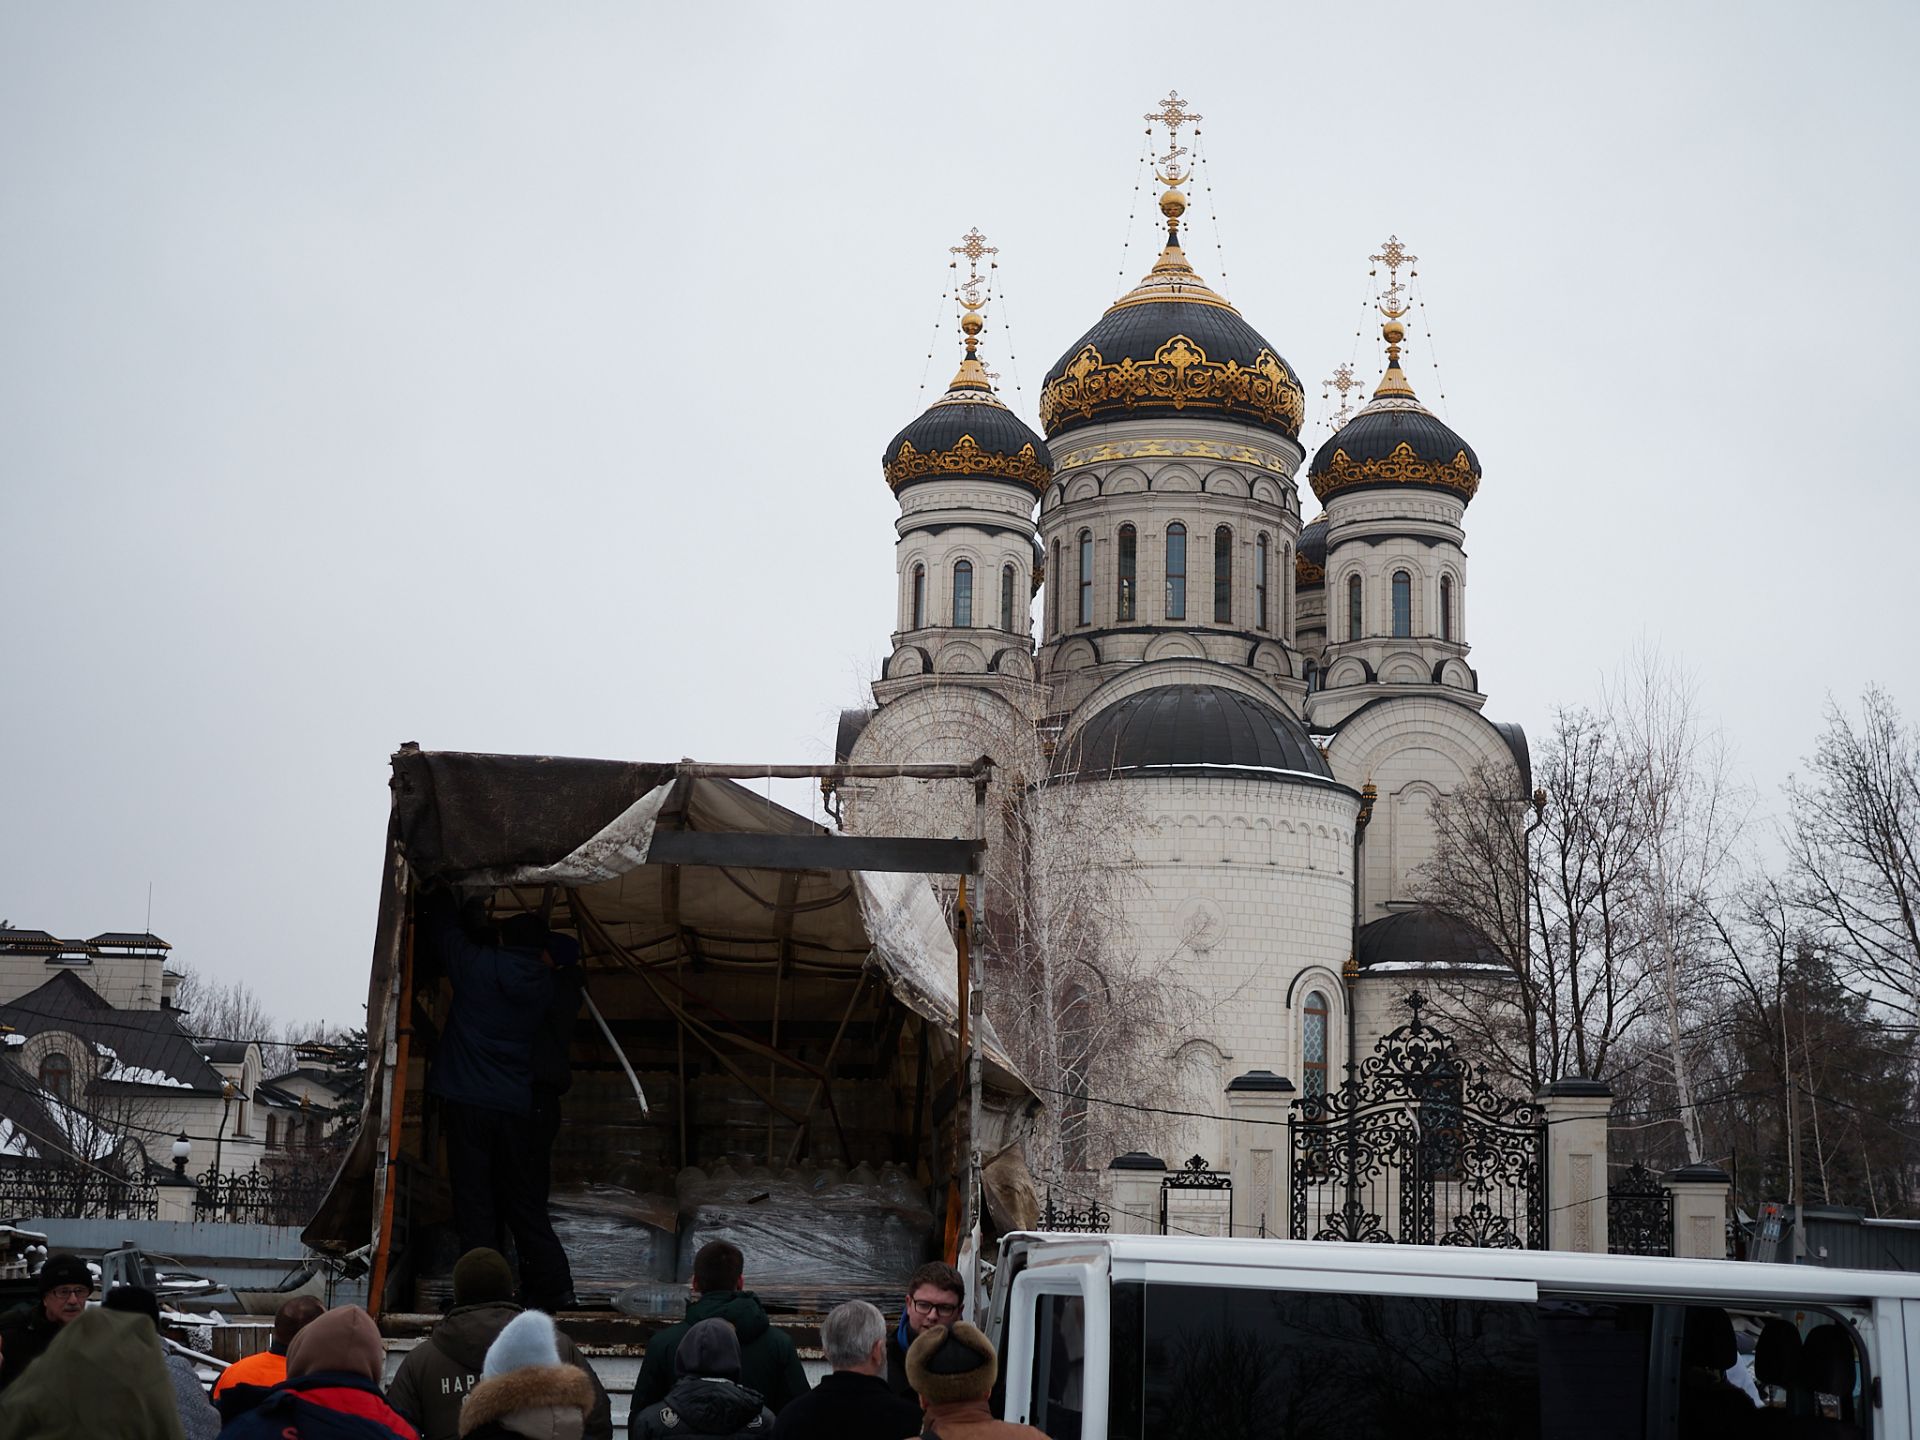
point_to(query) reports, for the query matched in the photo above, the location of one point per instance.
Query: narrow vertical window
(1176, 571)
(1053, 592)
(962, 594)
(919, 597)
(1086, 577)
(1313, 677)
(1402, 605)
(1260, 583)
(56, 1075)
(1354, 617)
(1223, 576)
(1313, 1045)
(1446, 607)
(1007, 577)
(1129, 570)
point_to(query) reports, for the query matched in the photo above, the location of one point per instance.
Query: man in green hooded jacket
(768, 1361)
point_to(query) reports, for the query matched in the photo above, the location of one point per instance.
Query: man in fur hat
(953, 1369)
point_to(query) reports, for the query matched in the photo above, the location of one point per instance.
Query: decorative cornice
(1170, 450)
(1402, 467)
(966, 457)
(1180, 377)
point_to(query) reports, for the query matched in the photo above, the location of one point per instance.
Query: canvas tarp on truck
(794, 1030)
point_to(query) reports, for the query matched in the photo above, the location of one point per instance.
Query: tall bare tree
(1854, 848)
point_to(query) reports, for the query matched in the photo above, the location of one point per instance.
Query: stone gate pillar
(1699, 1211)
(1136, 1193)
(1576, 1159)
(1257, 1151)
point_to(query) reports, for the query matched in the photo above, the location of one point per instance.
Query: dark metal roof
(853, 724)
(1002, 446)
(1381, 428)
(1137, 332)
(1425, 936)
(29, 940)
(142, 1039)
(1516, 738)
(1188, 728)
(128, 940)
(1313, 541)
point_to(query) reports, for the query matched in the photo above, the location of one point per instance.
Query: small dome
(1187, 728)
(1171, 346)
(1393, 441)
(968, 434)
(1424, 938)
(1310, 560)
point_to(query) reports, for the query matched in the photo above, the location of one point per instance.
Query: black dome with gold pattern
(968, 434)
(1394, 441)
(1171, 346)
(1310, 560)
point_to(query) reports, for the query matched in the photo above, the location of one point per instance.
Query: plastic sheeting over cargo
(515, 825)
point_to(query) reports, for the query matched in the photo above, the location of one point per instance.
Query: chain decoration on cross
(1393, 255)
(1341, 382)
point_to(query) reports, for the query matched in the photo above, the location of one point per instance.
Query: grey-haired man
(854, 1402)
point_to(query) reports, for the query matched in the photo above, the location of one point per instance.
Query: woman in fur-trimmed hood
(525, 1392)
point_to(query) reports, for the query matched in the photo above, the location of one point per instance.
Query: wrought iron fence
(1094, 1219)
(74, 1192)
(257, 1197)
(1418, 1147)
(1639, 1214)
(1195, 1176)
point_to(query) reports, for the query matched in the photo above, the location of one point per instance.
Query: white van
(1148, 1337)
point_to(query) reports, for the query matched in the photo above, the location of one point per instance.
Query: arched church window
(1402, 605)
(1260, 583)
(1313, 1045)
(1313, 677)
(1086, 577)
(962, 593)
(1007, 577)
(1053, 592)
(1223, 576)
(1127, 553)
(56, 1075)
(1176, 571)
(919, 597)
(1446, 607)
(1354, 617)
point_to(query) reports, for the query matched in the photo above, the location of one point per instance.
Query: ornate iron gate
(1195, 1175)
(1639, 1214)
(1417, 1147)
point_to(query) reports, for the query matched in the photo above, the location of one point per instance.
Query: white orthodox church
(1278, 701)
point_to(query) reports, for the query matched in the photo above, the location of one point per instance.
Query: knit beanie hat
(527, 1341)
(481, 1275)
(135, 1299)
(63, 1270)
(949, 1365)
(710, 1349)
(345, 1340)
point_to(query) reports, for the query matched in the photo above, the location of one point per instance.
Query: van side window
(1059, 1365)
(1222, 1361)
(1593, 1368)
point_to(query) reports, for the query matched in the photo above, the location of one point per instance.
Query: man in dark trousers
(854, 1402)
(503, 993)
(934, 1295)
(768, 1361)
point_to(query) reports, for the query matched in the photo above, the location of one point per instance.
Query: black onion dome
(1187, 728)
(1169, 346)
(1310, 560)
(968, 434)
(1394, 440)
(1425, 937)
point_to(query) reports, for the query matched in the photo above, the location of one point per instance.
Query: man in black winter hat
(65, 1283)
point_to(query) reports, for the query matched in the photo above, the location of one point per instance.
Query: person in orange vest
(245, 1383)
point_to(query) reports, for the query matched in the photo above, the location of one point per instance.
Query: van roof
(1623, 1274)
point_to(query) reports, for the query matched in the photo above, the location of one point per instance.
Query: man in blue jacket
(483, 1076)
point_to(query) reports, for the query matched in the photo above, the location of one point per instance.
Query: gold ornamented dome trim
(966, 456)
(1400, 466)
(1180, 376)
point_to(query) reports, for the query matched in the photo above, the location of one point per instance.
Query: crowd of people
(491, 1370)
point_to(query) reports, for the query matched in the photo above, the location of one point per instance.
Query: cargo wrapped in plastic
(810, 1226)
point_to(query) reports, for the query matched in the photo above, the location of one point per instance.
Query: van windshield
(1198, 1362)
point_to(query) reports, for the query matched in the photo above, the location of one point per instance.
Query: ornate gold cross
(1173, 114)
(1393, 255)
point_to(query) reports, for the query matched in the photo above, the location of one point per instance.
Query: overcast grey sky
(514, 377)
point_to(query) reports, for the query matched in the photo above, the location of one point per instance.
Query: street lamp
(182, 1149)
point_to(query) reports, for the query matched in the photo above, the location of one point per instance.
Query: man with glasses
(65, 1285)
(934, 1296)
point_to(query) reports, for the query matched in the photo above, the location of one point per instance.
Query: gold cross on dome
(1393, 255)
(1173, 114)
(974, 246)
(1341, 381)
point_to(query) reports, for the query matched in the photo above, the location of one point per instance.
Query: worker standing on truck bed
(483, 1076)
